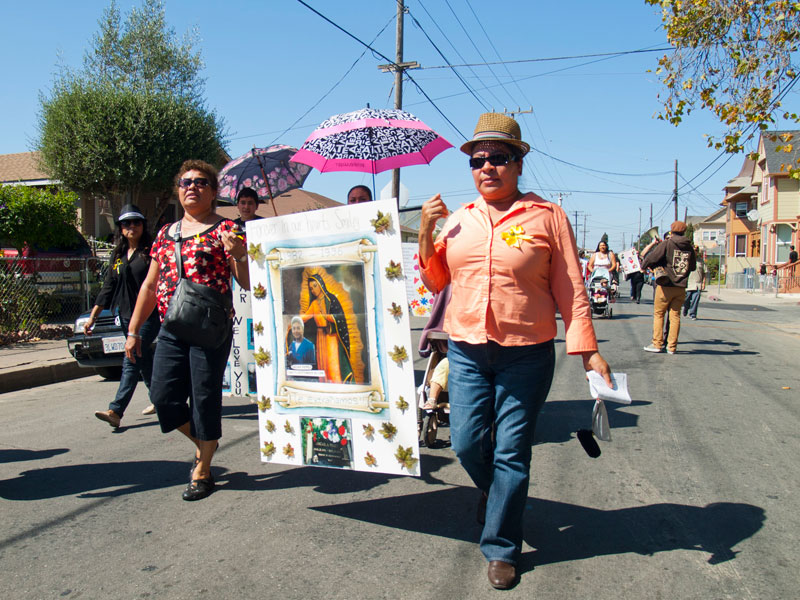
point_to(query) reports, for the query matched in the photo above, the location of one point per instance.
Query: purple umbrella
(269, 171)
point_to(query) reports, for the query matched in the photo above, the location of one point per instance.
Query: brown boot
(109, 416)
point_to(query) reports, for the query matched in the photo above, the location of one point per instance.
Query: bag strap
(177, 242)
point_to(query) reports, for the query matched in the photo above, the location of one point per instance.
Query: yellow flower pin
(515, 235)
(118, 265)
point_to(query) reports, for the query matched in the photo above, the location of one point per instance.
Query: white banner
(240, 373)
(331, 339)
(629, 261)
(420, 298)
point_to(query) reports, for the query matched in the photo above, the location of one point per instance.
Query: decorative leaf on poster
(382, 222)
(402, 405)
(255, 253)
(388, 431)
(264, 404)
(371, 460)
(268, 450)
(270, 426)
(394, 271)
(396, 310)
(399, 355)
(287, 427)
(258, 328)
(262, 357)
(259, 291)
(369, 431)
(405, 456)
(288, 451)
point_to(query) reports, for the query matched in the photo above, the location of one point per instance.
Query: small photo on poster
(251, 340)
(251, 378)
(226, 378)
(327, 442)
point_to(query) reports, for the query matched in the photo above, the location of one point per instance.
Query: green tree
(736, 58)
(38, 218)
(122, 125)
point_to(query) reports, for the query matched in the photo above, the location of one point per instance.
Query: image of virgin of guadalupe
(327, 311)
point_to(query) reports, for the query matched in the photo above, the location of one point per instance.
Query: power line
(601, 172)
(555, 58)
(391, 62)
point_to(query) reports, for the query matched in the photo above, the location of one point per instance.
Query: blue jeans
(501, 388)
(691, 303)
(143, 365)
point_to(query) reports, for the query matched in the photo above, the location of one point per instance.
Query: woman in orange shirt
(510, 259)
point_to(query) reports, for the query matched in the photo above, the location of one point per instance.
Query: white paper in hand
(599, 388)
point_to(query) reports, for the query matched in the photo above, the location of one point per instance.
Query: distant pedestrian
(359, 194)
(762, 275)
(792, 260)
(127, 270)
(694, 286)
(676, 255)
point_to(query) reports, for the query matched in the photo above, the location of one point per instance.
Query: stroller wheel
(430, 427)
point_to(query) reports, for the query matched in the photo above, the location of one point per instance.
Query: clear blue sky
(268, 63)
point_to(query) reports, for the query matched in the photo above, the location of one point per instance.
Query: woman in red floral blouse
(186, 386)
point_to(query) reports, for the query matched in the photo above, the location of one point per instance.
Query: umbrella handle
(266, 181)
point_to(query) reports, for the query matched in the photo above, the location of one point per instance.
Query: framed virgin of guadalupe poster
(331, 340)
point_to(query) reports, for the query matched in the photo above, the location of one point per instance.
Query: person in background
(247, 202)
(186, 386)
(676, 255)
(694, 287)
(359, 194)
(603, 258)
(511, 256)
(637, 282)
(127, 270)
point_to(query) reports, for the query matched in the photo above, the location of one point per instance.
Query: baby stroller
(602, 292)
(431, 414)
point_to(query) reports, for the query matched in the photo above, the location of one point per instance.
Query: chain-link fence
(38, 291)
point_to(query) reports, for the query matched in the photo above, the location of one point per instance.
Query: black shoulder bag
(197, 314)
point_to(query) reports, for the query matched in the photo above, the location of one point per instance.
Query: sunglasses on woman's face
(496, 160)
(199, 182)
(130, 222)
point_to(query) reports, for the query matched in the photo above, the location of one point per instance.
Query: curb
(21, 379)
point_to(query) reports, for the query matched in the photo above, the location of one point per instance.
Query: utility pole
(675, 193)
(639, 239)
(651, 215)
(519, 111)
(398, 69)
(560, 197)
(584, 230)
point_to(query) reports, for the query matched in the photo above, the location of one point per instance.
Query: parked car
(102, 351)
(58, 270)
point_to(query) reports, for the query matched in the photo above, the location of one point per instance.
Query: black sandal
(199, 489)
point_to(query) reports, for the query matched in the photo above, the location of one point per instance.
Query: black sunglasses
(200, 182)
(496, 160)
(131, 222)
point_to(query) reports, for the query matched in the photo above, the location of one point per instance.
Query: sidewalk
(733, 296)
(30, 364)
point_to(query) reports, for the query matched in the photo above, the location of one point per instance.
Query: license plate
(114, 344)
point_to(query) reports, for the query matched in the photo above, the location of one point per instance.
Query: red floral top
(205, 260)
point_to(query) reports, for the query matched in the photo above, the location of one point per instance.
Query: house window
(740, 247)
(710, 235)
(741, 209)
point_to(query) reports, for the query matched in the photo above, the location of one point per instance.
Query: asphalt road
(695, 496)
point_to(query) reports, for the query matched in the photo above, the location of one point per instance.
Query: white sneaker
(670, 351)
(652, 348)
(150, 410)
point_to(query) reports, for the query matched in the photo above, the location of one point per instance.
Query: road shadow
(8, 455)
(240, 411)
(559, 421)
(96, 480)
(747, 307)
(709, 352)
(562, 532)
(324, 481)
(713, 342)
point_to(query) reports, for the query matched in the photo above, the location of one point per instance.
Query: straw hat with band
(497, 127)
(130, 212)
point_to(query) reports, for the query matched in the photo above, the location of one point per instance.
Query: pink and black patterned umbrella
(269, 171)
(371, 141)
